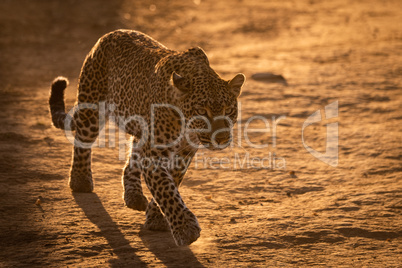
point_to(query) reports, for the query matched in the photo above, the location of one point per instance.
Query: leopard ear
(200, 53)
(236, 84)
(180, 83)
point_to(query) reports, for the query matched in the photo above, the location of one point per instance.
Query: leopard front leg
(155, 220)
(182, 222)
(133, 195)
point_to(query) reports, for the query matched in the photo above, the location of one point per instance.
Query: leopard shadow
(97, 214)
(162, 245)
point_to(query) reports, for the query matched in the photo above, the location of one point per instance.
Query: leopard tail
(56, 102)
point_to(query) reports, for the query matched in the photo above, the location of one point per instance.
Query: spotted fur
(128, 72)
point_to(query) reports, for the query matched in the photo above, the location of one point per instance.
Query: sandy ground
(296, 212)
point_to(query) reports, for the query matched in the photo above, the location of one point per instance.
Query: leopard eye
(201, 111)
(229, 110)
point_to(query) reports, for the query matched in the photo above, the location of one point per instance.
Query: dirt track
(298, 212)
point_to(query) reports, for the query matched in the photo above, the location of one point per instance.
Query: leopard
(172, 103)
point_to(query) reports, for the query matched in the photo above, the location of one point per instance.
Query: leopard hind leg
(86, 120)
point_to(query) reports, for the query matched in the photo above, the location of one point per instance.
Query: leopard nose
(222, 138)
(220, 132)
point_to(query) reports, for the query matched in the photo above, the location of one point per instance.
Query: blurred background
(262, 34)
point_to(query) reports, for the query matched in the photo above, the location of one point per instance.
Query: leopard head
(208, 102)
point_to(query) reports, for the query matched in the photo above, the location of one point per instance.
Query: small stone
(269, 78)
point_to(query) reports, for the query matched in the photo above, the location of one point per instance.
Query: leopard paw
(136, 201)
(81, 183)
(155, 221)
(188, 232)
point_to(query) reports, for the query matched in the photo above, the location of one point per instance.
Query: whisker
(236, 143)
(185, 148)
